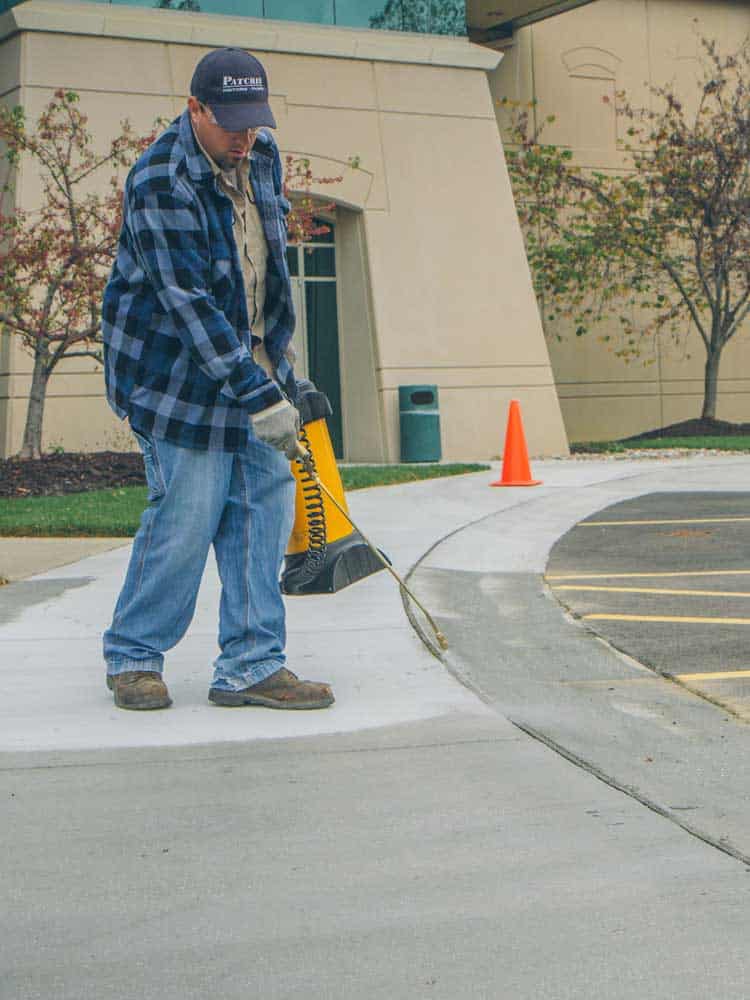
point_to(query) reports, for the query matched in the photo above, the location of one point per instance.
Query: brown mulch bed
(57, 474)
(700, 427)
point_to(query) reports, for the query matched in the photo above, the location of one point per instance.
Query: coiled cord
(315, 514)
(308, 464)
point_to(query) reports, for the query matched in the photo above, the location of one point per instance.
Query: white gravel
(652, 453)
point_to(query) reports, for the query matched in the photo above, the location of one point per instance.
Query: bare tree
(54, 261)
(663, 246)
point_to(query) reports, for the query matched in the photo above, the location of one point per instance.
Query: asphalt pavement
(666, 577)
(540, 815)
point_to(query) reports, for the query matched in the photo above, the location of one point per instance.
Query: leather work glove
(278, 425)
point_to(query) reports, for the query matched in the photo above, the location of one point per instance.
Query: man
(201, 282)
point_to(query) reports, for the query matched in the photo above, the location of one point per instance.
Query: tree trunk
(710, 383)
(32, 435)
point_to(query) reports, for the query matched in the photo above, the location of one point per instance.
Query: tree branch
(60, 351)
(700, 271)
(662, 261)
(740, 312)
(12, 319)
(96, 355)
(671, 271)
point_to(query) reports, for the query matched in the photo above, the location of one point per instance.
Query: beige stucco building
(431, 279)
(568, 64)
(427, 281)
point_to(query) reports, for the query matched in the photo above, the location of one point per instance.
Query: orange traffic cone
(516, 469)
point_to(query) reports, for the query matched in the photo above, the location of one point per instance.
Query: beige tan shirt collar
(251, 241)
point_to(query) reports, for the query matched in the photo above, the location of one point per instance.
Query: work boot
(139, 689)
(281, 690)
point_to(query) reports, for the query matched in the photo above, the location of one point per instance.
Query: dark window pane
(436, 17)
(441, 17)
(237, 8)
(315, 11)
(323, 351)
(320, 262)
(357, 13)
(292, 257)
(326, 237)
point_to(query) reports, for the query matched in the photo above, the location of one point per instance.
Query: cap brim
(236, 117)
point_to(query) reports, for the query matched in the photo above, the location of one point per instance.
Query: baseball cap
(234, 85)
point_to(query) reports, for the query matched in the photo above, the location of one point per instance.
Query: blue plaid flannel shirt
(177, 339)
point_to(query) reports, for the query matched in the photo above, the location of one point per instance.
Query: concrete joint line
(233, 755)
(420, 632)
(431, 647)
(582, 621)
(720, 845)
(699, 692)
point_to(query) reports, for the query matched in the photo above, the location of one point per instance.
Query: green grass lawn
(116, 512)
(724, 442)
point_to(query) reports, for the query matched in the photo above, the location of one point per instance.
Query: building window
(435, 17)
(312, 267)
(440, 17)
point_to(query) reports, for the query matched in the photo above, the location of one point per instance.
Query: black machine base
(346, 560)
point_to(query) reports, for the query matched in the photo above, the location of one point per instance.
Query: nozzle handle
(304, 456)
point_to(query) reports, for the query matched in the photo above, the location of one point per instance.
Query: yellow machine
(324, 554)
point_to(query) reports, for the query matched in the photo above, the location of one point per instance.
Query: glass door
(316, 340)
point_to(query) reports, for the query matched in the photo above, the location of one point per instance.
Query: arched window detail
(592, 85)
(593, 63)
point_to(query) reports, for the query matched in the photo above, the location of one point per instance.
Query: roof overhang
(495, 20)
(121, 20)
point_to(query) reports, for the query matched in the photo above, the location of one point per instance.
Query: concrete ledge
(261, 35)
(24, 557)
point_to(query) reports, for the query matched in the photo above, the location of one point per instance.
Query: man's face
(227, 149)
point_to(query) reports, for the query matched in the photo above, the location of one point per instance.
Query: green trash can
(419, 420)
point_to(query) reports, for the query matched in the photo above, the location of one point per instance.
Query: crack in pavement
(585, 765)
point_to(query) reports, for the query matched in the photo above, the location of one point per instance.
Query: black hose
(315, 516)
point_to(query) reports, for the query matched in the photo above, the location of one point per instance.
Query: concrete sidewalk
(359, 639)
(412, 843)
(21, 558)
(451, 859)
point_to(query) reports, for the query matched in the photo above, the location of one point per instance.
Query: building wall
(568, 64)
(433, 282)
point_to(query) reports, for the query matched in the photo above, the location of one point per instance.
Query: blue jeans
(241, 503)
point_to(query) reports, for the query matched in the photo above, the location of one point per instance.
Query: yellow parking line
(675, 520)
(655, 590)
(666, 618)
(630, 576)
(718, 676)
